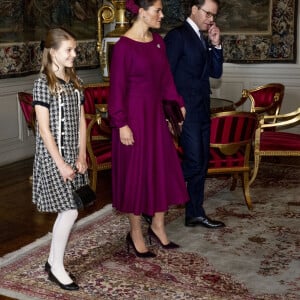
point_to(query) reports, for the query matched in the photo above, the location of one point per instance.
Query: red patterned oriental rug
(256, 256)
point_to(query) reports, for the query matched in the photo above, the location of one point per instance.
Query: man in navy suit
(193, 60)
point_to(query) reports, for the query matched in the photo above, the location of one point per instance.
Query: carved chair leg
(234, 179)
(94, 180)
(257, 159)
(246, 189)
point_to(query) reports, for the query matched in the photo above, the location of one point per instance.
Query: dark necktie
(202, 39)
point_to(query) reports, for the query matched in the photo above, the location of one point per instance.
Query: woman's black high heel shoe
(48, 269)
(170, 245)
(69, 287)
(129, 242)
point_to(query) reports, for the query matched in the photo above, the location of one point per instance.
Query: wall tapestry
(254, 31)
(23, 24)
(259, 31)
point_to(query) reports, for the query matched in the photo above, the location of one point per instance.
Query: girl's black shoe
(70, 287)
(48, 269)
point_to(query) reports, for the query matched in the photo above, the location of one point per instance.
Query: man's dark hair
(198, 3)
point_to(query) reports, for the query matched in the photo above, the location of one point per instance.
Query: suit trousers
(194, 140)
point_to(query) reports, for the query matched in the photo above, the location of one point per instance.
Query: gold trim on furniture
(232, 148)
(96, 120)
(273, 108)
(277, 122)
(108, 14)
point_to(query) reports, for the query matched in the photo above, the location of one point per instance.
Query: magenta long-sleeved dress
(146, 177)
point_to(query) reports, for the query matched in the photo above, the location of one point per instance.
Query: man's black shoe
(203, 221)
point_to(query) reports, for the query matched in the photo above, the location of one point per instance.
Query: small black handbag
(174, 115)
(84, 196)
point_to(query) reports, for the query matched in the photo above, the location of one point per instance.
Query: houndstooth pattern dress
(49, 192)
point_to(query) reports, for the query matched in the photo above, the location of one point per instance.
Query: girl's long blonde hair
(53, 40)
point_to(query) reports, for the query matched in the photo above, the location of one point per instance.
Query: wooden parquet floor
(20, 222)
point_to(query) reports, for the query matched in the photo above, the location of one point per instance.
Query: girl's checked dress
(49, 192)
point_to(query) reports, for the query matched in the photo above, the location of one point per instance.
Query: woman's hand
(183, 111)
(126, 136)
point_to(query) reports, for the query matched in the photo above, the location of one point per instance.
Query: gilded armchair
(231, 140)
(276, 143)
(98, 130)
(265, 99)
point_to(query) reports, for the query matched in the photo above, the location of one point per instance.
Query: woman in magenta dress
(146, 173)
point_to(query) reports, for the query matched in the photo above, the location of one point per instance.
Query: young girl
(60, 145)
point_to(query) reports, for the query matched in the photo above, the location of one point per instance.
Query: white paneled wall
(235, 78)
(16, 142)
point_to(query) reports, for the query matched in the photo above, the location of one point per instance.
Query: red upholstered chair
(230, 144)
(25, 100)
(98, 130)
(276, 143)
(265, 99)
(95, 93)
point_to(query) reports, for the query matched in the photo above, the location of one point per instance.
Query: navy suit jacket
(192, 64)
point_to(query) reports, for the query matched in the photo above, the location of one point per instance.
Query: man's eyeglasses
(208, 13)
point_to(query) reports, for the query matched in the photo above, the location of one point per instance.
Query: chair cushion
(265, 96)
(102, 151)
(230, 129)
(101, 94)
(220, 160)
(102, 129)
(279, 141)
(25, 100)
(89, 101)
(94, 95)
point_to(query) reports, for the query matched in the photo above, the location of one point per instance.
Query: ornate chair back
(96, 93)
(25, 100)
(230, 144)
(265, 99)
(98, 130)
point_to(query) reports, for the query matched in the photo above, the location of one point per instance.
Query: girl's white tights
(60, 235)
